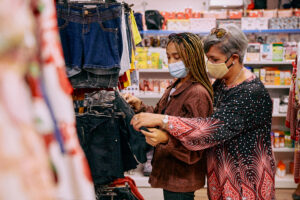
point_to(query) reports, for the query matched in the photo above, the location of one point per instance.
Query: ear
(235, 57)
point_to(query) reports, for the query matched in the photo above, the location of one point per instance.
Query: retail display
(38, 119)
(100, 57)
(70, 137)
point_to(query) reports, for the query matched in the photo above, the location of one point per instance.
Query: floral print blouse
(240, 162)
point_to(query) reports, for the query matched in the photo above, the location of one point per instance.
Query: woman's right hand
(133, 101)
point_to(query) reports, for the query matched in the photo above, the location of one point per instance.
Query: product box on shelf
(223, 22)
(284, 23)
(266, 52)
(285, 13)
(154, 86)
(262, 74)
(202, 24)
(151, 58)
(249, 23)
(277, 52)
(178, 25)
(141, 57)
(290, 52)
(273, 76)
(270, 13)
(235, 14)
(217, 14)
(255, 13)
(253, 52)
(276, 103)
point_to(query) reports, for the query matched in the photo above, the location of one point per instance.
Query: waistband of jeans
(78, 13)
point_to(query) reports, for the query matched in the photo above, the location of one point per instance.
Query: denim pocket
(62, 23)
(109, 25)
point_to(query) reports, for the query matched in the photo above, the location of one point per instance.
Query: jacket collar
(183, 87)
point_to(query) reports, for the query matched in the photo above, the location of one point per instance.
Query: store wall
(168, 5)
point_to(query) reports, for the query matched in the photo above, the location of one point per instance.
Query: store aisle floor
(156, 194)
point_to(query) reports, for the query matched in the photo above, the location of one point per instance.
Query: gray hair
(233, 42)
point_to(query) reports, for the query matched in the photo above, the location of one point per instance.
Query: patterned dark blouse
(240, 160)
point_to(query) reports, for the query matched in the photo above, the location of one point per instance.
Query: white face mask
(178, 69)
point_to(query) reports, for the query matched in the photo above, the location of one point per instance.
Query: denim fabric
(139, 20)
(100, 139)
(91, 40)
(129, 33)
(168, 195)
(137, 141)
(110, 143)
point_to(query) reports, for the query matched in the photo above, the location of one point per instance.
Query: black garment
(168, 195)
(136, 140)
(110, 143)
(121, 193)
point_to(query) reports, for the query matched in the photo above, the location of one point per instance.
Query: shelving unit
(286, 182)
(279, 115)
(271, 31)
(283, 149)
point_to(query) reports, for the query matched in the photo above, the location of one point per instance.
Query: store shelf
(277, 86)
(153, 70)
(167, 32)
(279, 115)
(283, 149)
(286, 182)
(268, 63)
(149, 96)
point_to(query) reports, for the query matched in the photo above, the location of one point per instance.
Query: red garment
(291, 118)
(132, 185)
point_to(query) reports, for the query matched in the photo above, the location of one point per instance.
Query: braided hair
(190, 49)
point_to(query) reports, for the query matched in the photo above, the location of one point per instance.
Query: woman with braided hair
(179, 171)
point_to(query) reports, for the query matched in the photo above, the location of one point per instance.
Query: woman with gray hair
(240, 162)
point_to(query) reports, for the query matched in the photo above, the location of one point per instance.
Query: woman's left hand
(155, 136)
(147, 120)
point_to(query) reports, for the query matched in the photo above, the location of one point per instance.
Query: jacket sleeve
(198, 104)
(146, 108)
(227, 122)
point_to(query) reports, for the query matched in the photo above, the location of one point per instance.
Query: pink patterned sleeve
(194, 133)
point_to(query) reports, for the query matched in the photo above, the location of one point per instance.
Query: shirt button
(116, 140)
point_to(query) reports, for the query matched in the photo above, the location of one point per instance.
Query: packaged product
(277, 77)
(282, 77)
(281, 139)
(276, 139)
(281, 169)
(253, 52)
(288, 77)
(263, 75)
(290, 52)
(277, 51)
(256, 72)
(276, 103)
(266, 52)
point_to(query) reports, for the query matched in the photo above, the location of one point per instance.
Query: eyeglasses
(219, 32)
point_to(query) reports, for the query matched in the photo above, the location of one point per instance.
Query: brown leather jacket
(174, 167)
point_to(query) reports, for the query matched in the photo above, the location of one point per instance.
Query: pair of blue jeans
(110, 143)
(92, 43)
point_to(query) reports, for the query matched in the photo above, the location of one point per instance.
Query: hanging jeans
(110, 143)
(92, 43)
